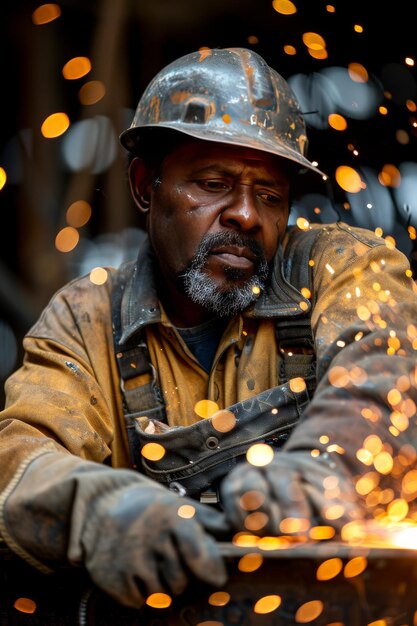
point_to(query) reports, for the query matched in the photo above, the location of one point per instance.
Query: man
(106, 460)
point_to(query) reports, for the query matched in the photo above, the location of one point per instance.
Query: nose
(241, 212)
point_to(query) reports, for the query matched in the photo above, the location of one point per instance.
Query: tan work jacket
(364, 320)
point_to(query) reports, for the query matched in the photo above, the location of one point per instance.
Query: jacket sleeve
(60, 501)
(60, 401)
(364, 321)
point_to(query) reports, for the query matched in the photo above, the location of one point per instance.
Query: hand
(126, 529)
(136, 544)
(293, 485)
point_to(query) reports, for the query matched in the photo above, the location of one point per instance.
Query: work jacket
(66, 397)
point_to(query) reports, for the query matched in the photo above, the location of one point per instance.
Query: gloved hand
(136, 544)
(122, 526)
(293, 485)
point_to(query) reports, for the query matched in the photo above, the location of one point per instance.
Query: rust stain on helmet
(303, 143)
(179, 96)
(154, 108)
(204, 53)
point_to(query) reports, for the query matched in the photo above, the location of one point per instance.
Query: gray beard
(232, 299)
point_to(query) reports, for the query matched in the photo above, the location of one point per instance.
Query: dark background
(128, 42)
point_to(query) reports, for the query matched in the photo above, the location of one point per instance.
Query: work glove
(136, 543)
(125, 528)
(294, 485)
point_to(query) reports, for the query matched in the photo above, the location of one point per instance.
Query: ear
(140, 182)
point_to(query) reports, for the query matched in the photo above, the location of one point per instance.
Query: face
(216, 217)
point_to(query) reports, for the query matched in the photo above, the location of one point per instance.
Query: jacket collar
(280, 298)
(140, 305)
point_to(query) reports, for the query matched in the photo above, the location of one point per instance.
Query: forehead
(199, 154)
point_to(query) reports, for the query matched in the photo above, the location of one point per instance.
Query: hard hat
(225, 95)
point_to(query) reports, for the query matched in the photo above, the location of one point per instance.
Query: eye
(271, 199)
(213, 185)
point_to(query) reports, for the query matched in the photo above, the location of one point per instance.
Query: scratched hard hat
(228, 95)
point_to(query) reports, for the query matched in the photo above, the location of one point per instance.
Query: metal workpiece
(321, 583)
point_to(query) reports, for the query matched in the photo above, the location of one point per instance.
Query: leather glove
(293, 485)
(122, 526)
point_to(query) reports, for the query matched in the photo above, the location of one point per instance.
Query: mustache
(229, 298)
(211, 241)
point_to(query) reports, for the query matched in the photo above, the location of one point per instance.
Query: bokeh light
(206, 408)
(348, 178)
(76, 68)
(159, 600)
(99, 275)
(223, 421)
(78, 213)
(250, 562)
(186, 511)
(329, 569)
(92, 92)
(219, 598)
(67, 238)
(3, 177)
(153, 451)
(285, 7)
(267, 604)
(46, 13)
(25, 605)
(55, 125)
(90, 144)
(260, 454)
(309, 611)
(355, 566)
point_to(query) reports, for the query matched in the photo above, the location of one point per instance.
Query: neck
(181, 310)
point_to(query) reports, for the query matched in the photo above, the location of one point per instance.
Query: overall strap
(138, 381)
(294, 333)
